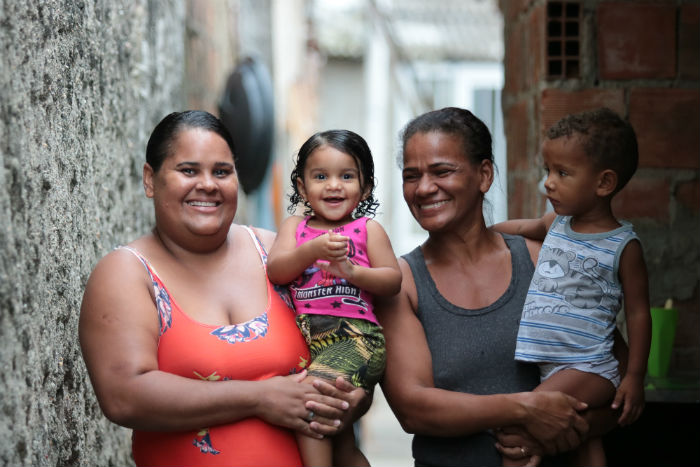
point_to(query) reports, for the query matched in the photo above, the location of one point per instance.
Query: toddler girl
(334, 260)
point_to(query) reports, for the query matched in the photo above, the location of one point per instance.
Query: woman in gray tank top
(451, 378)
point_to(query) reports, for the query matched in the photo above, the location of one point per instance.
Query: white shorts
(608, 369)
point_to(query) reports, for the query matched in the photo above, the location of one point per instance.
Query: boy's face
(572, 180)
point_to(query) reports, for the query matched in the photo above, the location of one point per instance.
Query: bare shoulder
(533, 247)
(408, 284)
(374, 226)
(104, 297)
(116, 266)
(267, 237)
(290, 224)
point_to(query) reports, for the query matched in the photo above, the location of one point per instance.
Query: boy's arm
(384, 277)
(535, 229)
(635, 288)
(286, 261)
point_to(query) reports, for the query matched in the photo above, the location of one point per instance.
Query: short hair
(474, 134)
(166, 131)
(347, 142)
(607, 139)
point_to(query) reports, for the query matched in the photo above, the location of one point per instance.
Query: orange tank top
(266, 346)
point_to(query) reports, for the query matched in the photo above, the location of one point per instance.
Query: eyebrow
(433, 166)
(197, 164)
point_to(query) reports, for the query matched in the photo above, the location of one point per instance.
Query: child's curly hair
(349, 143)
(607, 139)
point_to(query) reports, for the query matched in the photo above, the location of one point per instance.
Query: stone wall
(81, 85)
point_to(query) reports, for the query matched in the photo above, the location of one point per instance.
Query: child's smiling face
(331, 184)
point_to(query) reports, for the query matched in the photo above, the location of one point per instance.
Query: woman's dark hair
(475, 136)
(164, 134)
(349, 143)
(607, 139)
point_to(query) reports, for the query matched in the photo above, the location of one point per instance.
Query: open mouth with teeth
(205, 204)
(333, 200)
(432, 205)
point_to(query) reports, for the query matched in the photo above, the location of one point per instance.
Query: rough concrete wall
(81, 85)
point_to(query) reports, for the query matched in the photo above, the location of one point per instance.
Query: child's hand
(331, 247)
(630, 395)
(342, 269)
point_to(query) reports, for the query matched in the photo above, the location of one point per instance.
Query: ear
(301, 188)
(486, 175)
(607, 183)
(148, 180)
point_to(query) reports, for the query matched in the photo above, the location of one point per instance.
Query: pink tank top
(318, 292)
(265, 346)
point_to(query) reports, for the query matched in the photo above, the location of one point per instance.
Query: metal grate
(563, 39)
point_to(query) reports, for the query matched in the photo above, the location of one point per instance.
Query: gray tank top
(472, 352)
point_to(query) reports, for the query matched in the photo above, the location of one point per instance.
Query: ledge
(673, 389)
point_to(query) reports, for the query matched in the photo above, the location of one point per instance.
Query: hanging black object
(246, 109)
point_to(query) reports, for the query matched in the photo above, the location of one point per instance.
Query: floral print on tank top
(232, 334)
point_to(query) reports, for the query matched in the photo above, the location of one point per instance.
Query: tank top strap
(258, 245)
(161, 296)
(153, 274)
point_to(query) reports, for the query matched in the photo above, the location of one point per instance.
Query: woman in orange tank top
(185, 339)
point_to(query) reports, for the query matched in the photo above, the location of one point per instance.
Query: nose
(426, 185)
(549, 182)
(206, 182)
(333, 183)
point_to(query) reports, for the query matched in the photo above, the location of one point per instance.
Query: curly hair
(349, 143)
(608, 140)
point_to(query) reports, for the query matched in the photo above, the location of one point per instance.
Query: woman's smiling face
(441, 186)
(196, 188)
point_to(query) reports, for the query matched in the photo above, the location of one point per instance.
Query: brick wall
(642, 59)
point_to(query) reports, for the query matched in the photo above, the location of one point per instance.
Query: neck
(469, 243)
(191, 247)
(596, 220)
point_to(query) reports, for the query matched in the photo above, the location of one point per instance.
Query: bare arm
(384, 277)
(422, 408)
(535, 229)
(635, 287)
(119, 340)
(600, 420)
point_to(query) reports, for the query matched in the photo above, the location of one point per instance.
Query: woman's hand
(517, 444)
(553, 420)
(283, 402)
(342, 401)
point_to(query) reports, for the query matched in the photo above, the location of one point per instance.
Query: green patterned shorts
(347, 347)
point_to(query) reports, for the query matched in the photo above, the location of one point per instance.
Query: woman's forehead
(434, 145)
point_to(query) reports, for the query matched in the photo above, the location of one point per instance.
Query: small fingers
(519, 452)
(514, 452)
(618, 401)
